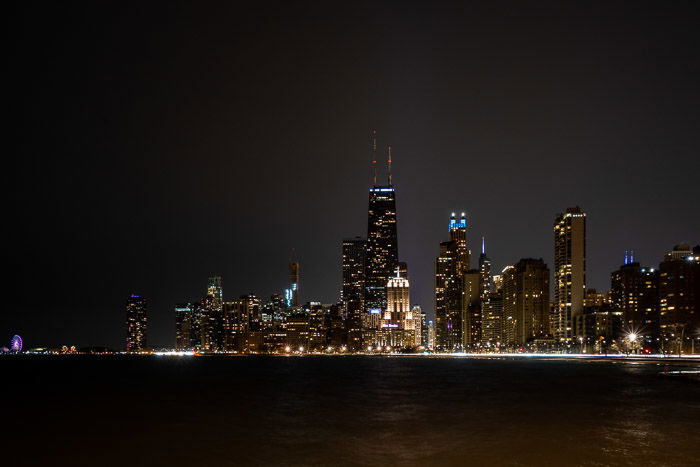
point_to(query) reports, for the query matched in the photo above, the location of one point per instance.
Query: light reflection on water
(355, 411)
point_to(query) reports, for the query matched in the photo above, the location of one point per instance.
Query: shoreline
(693, 359)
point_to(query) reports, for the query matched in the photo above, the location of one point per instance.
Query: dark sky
(159, 144)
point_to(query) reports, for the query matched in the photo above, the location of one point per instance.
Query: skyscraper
(215, 291)
(382, 253)
(292, 293)
(450, 267)
(235, 324)
(382, 250)
(430, 340)
(136, 323)
(251, 308)
(491, 315)
(679, 297)
(527, 301)
(318, 331)
(353, 292)
(471, 308)
(395, 330)
(634, 292)
(509, 293)
(569, 270)
(418, 311)
(484, 269)
(185, 327)
(458, 234)
(209, 312)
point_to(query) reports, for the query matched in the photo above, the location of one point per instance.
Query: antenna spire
(483, 245)
(388, 163)
(374, 156)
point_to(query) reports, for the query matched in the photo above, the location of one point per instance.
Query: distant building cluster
(647, 310)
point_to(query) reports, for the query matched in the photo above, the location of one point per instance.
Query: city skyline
(464, 298)
(293, 267)
(148, 166)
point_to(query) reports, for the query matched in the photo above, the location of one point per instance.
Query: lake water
(352, 410)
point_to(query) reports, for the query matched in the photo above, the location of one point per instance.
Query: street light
(631, 338)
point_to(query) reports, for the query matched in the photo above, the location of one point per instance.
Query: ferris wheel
(16, 344)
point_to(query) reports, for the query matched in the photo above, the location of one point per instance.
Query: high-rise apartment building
(526, 301)
(251, 306)
(418, 311)
(353, 292)
(491, 315)
(448, 299)
(509, 293)
(430, 342)
(297, 331)
(318, 330)
(471, 309)
(634, 291)
(235, 324)
(679, 297)
(136, 323)
(569, 271)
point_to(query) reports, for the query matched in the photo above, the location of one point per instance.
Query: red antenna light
(374, 156)
(389, 163)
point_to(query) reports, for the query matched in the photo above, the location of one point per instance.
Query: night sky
(158, 144)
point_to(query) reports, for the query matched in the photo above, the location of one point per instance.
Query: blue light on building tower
(458, 223)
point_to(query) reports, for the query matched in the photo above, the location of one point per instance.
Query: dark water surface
(354, 410)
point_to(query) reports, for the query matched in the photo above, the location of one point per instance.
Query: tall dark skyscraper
(450, 267)
(526, 301)
(382, 254)
(354, 288)
(292, 293)
(679, 297)
(136, 323)
(484, 269)
(185, 327)
(471, 308)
